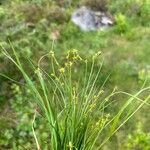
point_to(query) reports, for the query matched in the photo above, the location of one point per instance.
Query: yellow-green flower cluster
(51, 53)
(62, 70)
(96, 55)
(73, 55)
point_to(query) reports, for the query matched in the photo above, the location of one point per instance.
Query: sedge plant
(75, 108)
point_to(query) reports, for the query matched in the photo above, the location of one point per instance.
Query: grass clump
(76, 109)
(121, 22)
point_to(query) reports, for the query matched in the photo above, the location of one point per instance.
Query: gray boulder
(89, 20)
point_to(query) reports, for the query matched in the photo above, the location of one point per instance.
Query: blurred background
(35, 27)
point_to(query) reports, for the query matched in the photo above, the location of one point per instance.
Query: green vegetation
(38, 26)
(139, 139)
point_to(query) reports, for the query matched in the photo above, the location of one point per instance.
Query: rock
(89, 20)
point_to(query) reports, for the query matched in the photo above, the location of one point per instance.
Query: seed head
(62, 70)
(51, 53)
(96, 55)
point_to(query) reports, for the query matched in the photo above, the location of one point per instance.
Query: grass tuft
(77, 110)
